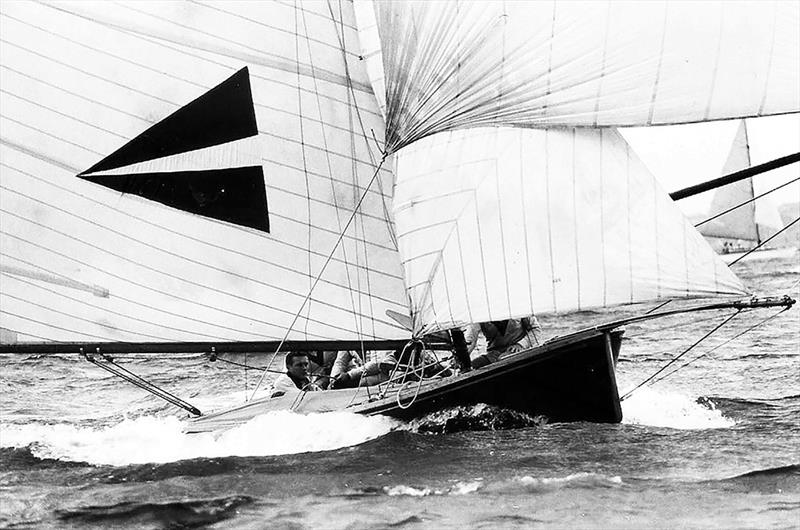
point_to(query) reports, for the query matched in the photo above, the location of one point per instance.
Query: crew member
(296, 376)
(502, 337)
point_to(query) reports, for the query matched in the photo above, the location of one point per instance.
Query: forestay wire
(715, 348)
(773, 236)
(319, 275)
(684, 352)
(748, 201)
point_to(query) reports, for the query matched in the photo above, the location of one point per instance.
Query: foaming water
(519, 484)
(158, 440)
(661, 408)
(678, 460)
(541, 484)
(479, 417)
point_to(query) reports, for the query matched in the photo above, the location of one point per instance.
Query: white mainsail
(504, 222)
(449, 65)
(527, 220)
(81, 262)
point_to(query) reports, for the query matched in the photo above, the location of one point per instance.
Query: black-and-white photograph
(420, 264)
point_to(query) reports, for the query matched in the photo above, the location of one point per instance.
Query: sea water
(714, 445)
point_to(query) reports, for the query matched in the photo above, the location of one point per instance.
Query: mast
(750, 181)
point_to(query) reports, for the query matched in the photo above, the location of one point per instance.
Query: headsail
(458, 64)
(79, 80)
(502, 222)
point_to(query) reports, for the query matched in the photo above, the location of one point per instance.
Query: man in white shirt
(296, 376)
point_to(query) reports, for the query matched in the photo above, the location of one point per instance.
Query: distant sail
(748, 219)
(502, 222)
(82, 80)
(450, 64)
(739, 223)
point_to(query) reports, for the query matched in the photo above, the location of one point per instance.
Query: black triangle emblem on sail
(197, 159)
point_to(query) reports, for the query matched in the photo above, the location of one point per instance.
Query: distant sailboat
(745, 223)
(295, 175)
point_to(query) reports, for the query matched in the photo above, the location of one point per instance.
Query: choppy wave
(168, 514)
(523, 484)
(480, 417)
(540, 484)
(24, 459)
(790, 470)
(660, 408)
(780, 479)
(158, 440)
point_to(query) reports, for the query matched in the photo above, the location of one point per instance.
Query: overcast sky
(683, 155)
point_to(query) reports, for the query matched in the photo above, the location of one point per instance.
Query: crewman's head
(297, 364)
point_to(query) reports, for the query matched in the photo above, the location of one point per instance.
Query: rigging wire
(322, 270)
(748, 201)
(776, 234)
(754, 326)
(684, 352)
(351, 98)
(347, 263)
(648, 332)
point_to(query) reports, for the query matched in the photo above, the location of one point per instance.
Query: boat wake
(659, 408)
(150, 439)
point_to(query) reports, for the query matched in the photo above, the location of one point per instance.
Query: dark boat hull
(571, 378)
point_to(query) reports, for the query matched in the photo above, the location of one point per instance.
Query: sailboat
(739, 225)
(287, 176)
